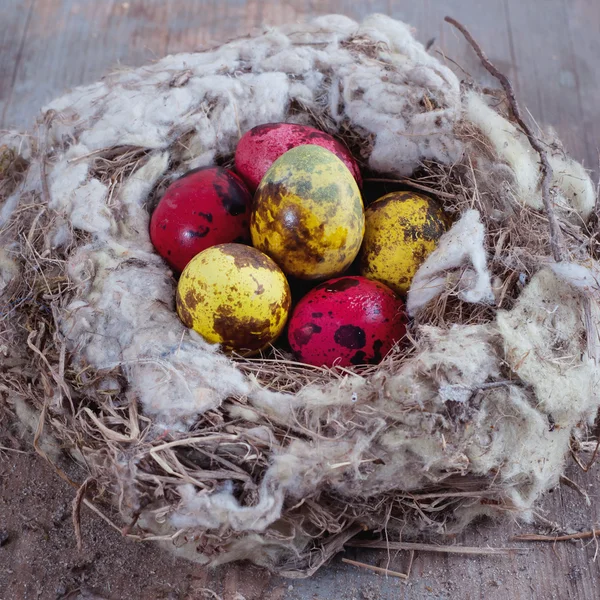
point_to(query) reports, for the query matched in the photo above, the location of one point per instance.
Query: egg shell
(308, 214)
(203, 208)
(401, 230)
(346, 321)
(260, 147)
(235, 296)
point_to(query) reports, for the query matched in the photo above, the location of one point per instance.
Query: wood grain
(15, 17)
(549, 48)
(51, 45)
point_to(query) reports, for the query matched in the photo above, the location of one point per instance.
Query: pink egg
(346, 321)
(260, 147)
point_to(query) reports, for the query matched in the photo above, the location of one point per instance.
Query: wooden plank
(583, 18)
(548, 78)
(14, 17)
(87, 39)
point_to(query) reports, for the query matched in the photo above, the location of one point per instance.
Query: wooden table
(549, 48)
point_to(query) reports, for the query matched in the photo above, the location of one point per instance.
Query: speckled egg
(205, 207)
(308, 214)
(401, 230)
(260, 147)
(235, 296)
(346, 321)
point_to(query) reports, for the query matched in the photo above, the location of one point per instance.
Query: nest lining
(268, 459)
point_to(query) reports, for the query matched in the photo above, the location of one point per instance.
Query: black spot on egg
(358, 358)
(376, 359)
(201, 232)
(232, 195)
(350, 336)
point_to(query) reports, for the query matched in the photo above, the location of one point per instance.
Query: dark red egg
(203, 208)
(346, 321)
(260, 147)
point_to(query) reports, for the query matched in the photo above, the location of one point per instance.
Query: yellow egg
(234, 295)
(308, 214)
(401, 230)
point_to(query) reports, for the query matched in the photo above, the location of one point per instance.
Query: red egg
(346, 321)
(260, 147)
(203, 208)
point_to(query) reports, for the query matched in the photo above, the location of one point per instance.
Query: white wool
(462, 246)
(543, 347)
(574, 183)
(8, 207)
(570, 180)
(583, 277)
(510, 145)
(16, 141)
(87, 208)
(217, 509)
(134, 193)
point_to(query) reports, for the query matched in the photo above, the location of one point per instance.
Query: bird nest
(268, 459)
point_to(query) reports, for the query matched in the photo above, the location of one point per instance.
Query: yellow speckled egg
(235, 296)
(401, 230)
(308, 214)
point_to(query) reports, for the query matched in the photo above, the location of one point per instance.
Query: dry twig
(556, 237)
(381, 570)
(575, 486)
(416, 546)
(535, 537)
(414, 184)
(77, 511)
(585, 468)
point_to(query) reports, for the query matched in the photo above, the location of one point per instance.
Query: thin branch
(410, 563)
(7, 449)
(48, 118)
(570, 483)
(77, 511)
(375, 569)
(556, 236)
(411, 183)
(585, 468)
(535, 537)
(473, 550)
(206, 591)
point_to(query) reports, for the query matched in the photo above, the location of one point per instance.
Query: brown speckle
(183, 312)
(244, 335)
(246, 256)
